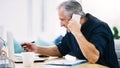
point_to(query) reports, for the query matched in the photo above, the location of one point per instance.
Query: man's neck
(83, 20)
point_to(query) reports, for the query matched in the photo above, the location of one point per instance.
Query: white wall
(52, 22)
(21, 17)
(28, 19)
(13, 16)
(106, 10)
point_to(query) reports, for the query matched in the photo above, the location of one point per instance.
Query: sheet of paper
(65, 62)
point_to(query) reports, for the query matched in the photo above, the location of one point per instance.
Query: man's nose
(62, 24)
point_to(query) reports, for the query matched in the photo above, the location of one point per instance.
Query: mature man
(90, 39)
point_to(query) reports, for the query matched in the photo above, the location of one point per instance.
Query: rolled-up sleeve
(63, 46)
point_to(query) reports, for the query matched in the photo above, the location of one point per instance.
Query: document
(64, 62)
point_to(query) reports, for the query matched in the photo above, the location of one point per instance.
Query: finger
(24, 44)
(70, 23)
(27, 49)
(69, 26)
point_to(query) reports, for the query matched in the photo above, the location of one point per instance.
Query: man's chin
(68, 30)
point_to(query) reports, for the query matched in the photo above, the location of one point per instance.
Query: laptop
(17, 57)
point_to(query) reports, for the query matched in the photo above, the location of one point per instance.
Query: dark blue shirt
(98, 33)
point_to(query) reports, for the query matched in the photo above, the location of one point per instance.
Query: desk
(42, 65)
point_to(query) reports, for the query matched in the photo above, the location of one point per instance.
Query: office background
(30, 19)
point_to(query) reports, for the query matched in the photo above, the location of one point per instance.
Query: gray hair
(72, 6)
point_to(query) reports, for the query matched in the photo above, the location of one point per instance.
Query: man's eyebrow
(61, 18)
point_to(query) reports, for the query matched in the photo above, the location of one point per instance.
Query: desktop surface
(43, 65)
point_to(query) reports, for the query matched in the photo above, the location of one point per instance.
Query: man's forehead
(61, 9)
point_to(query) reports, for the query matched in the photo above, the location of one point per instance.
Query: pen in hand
(24, 44)
(33, 42)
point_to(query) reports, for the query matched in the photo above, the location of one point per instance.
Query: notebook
(17, 57)
(65, 62)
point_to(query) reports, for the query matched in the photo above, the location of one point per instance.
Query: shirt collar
(87, 23)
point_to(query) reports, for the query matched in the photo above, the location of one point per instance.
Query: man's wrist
(78, 34)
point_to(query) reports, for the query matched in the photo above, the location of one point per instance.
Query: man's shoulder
(95, 22)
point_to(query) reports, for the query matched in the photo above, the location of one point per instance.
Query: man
(90, 39)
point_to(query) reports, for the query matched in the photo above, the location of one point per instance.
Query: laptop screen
(10, 45)
(11, 53)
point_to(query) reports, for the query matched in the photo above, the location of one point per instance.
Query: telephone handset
(76, 17)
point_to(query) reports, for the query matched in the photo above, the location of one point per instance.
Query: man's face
(64, 19)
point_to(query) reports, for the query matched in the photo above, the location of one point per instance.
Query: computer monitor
(17, 57)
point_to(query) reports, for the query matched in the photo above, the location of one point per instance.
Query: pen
(33, 42)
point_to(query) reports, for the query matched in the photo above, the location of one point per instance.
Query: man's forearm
(87, 48)
(49, 51)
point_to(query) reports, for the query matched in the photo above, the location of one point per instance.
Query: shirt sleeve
(63, 47)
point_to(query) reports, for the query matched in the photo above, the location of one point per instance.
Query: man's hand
(74, 27)
(30, 47)
(4, 52)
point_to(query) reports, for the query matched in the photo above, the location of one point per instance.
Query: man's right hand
(30, 47)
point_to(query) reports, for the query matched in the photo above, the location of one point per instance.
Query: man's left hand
(74, 27)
